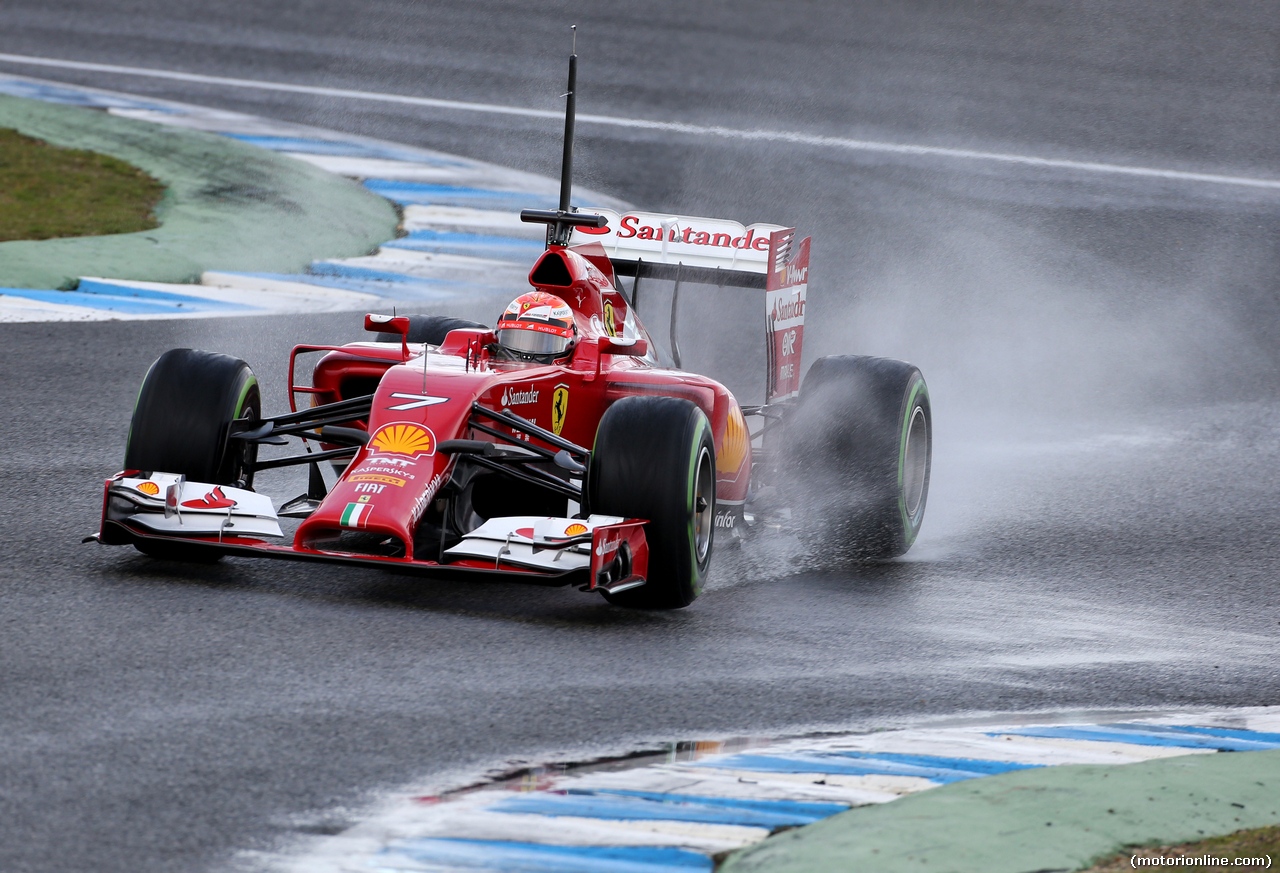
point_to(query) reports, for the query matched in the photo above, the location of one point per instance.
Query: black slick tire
(181, 421)
(654, 458)
(859, 449)
(431, 329)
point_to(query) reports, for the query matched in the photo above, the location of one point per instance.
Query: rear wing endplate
(715, 251)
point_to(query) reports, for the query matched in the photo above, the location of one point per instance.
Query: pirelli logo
(377, 477)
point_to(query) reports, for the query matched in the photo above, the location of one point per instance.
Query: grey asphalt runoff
(1103, 528)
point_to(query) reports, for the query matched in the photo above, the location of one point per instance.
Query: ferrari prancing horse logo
(610, 316)
(559, 408)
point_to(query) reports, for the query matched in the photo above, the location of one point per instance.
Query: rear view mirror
(387, 323)
(616, 345)
(390, 324)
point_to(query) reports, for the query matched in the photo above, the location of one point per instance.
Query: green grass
(1253, 843)
(48, 192)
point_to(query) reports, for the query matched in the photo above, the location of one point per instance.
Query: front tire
(181, 423)
(861, 446)
(654, 458)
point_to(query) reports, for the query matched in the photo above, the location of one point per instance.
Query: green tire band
(237, 411)
(917, 388)
(702, 426)
(250, 384)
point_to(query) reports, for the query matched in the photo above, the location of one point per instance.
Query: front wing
(601, 553)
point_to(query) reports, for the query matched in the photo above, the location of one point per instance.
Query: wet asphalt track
(1103, 527)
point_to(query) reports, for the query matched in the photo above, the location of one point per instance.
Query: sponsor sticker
(575, 530)
(671, 238)
(402, 463)
(786, 289)
(377, 477)
(394, 473)
(215, 499)
(516, 397)
(735, 446)
(424, 499)
(610, 319)
(403, 439)
(356, 515)
(559, 408)
(149, 488)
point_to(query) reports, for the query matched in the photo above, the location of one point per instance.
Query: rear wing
(715, 251)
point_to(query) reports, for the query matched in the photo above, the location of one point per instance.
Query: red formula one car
(561, 446)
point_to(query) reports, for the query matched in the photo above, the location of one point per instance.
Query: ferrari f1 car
(562, 446)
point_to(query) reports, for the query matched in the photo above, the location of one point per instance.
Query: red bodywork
(424, 396)
(567, 399)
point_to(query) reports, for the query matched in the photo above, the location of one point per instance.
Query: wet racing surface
(1102, 528)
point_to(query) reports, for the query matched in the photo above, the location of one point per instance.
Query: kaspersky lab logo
(519, 398)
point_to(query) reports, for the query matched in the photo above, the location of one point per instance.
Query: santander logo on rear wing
(716, 251)
(670, 239)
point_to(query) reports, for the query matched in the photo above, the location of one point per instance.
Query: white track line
(668, 126)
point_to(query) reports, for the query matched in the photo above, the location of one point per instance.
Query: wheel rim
(242, 470)
(704, 505)
(915, 462)
(241, 455)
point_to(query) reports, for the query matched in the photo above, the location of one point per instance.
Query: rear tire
(860, 448)
(431, 329)
(180, 424)
(654, 458)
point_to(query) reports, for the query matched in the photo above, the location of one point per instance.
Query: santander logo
(785, 310)
(669, 237)
(512, 397)
(631, 227)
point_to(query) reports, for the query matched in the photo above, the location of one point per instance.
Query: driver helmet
(537, 326)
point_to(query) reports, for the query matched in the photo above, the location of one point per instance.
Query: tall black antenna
(561, 222)
(570, 111)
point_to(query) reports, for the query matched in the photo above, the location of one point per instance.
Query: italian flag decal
(355, 515)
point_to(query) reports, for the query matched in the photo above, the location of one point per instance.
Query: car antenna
(561, 222)
(570, 117)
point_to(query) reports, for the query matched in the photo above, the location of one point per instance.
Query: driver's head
(537, 326)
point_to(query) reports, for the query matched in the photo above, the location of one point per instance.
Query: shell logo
(149, 488)
(403, 439)
(736, 446)
(575, 530)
